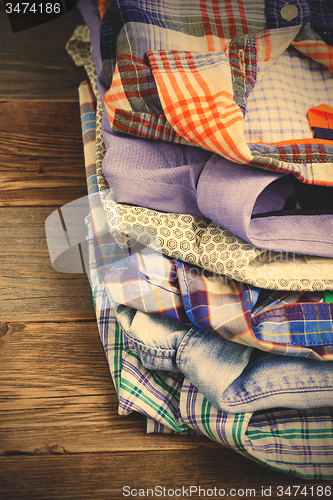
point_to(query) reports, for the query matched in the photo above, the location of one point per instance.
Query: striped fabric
(296, 323)
(102, 5)
(133, 103)
(188, 73)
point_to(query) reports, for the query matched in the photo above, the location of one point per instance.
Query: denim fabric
(156, 339)
(233, 377)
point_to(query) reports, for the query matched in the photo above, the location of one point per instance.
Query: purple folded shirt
(268, 209)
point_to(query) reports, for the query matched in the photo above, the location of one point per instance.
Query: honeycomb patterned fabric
(203, 243)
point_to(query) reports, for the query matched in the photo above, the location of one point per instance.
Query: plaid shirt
(187, 76)
(279, 439)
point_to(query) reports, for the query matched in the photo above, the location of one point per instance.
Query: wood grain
(41, 154)
(102, 476)
(34, 62)
(31, 290)
(57, 390)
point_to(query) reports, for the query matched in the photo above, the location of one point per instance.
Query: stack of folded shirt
(207, 130)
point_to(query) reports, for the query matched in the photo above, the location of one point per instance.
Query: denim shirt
(235, 378)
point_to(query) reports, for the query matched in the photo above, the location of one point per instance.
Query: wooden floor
(60, 434)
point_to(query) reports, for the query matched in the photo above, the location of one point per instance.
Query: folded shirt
(296, 324)
(172, 78)
(235, 378)
(251, 203)
(293, 323)
(204, 243)
(270, 209)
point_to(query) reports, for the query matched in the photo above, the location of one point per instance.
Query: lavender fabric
(268, 209)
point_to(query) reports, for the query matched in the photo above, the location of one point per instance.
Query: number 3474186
(32, 8)
(307, 491)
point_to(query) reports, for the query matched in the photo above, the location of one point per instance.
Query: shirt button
(289, 12)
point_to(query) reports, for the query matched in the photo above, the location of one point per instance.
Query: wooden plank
(54, 358)
(83, 424)
(66, 394)
(41, 154)
(104, 476)
(31, 290)
(34, 62)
